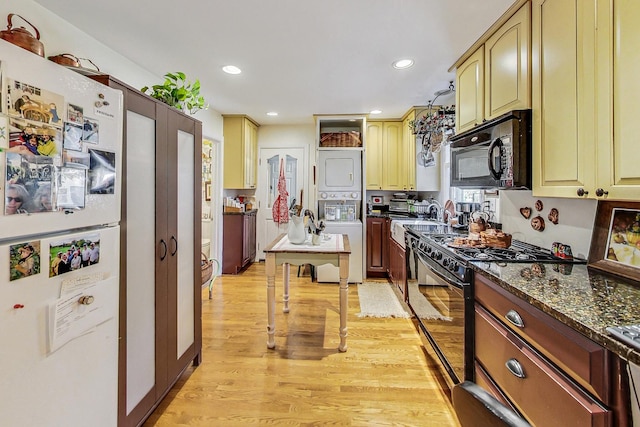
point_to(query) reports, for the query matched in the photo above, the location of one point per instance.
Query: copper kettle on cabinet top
(21, 37)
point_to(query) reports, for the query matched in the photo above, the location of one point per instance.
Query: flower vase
(297, 232)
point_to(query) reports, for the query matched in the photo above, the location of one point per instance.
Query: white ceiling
(299, 57)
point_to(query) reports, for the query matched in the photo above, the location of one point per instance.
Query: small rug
(422, 306)
(379, 300)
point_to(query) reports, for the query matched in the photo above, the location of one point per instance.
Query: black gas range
(441, 250)
(439, 290)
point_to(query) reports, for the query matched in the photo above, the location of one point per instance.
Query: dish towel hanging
(280, 209)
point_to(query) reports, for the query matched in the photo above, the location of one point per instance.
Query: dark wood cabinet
(397, 265)
(377, 247)
(239, 241)
(540, 366)
(160, 280)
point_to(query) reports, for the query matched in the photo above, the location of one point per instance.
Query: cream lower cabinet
(584, 106)
(240, 152)
(496, 77)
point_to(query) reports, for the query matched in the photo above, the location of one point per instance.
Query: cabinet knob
(515, 368)
(600, 192)
(582, 192)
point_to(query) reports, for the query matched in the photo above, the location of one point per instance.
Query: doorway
(295, 164)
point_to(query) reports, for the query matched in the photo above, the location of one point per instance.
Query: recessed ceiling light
(376, 111)
(231, 69)
(403, 63)
(272, 113)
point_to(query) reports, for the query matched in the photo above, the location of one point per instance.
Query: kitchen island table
(333, 249)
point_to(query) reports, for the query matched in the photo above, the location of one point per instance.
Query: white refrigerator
(60, 156)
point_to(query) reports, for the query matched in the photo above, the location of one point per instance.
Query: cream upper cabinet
(373, 153)
(585, 92)
(240, 152)
(496, 77)
(394, 161)
(470, 92)
(386, 159)
(563, 97)
(409, 149)
(618, 127)
(506, 66)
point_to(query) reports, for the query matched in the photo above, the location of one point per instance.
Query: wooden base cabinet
(160, 289)
(397, 266)
(547, 371)
(239, 241)
(377, 247)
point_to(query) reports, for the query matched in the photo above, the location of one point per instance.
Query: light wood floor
(384, 379)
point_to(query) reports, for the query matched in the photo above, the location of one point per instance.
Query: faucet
(433, 203)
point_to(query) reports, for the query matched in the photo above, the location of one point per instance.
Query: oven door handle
(454, 282)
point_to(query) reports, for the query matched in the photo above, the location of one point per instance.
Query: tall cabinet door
(563, 37)
(618, 92)
(140, 265)
(393, 172)
(160, 288)
(184, 151)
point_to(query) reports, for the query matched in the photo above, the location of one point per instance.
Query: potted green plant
(177, 92)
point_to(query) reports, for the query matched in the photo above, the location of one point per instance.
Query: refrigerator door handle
(164, 255)
(173, 239)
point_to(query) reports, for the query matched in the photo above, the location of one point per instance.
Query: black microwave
(494, 154)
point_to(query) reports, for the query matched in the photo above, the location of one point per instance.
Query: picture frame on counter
(615, 243)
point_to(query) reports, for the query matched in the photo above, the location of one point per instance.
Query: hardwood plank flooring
(384, 378)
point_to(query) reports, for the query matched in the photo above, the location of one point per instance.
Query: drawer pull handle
(515, 368)
(513, 317)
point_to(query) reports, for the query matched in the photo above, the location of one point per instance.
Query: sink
(397, 227)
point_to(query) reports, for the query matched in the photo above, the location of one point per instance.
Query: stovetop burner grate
(517, 252)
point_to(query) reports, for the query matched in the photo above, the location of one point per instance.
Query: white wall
(58, 36)
(575, 220)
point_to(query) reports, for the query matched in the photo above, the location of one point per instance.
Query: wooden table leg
(270, 266)
(285, 280)
(344, 300)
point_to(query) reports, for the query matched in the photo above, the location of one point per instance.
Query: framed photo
(24, 260)
(615, 244)
(207, 190)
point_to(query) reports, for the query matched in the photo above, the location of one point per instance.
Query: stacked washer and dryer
(340, 189)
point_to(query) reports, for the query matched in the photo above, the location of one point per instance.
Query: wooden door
(377, 246)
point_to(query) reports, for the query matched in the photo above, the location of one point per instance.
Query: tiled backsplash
(575, 220)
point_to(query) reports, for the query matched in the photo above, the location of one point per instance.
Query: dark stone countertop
(578, 296)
